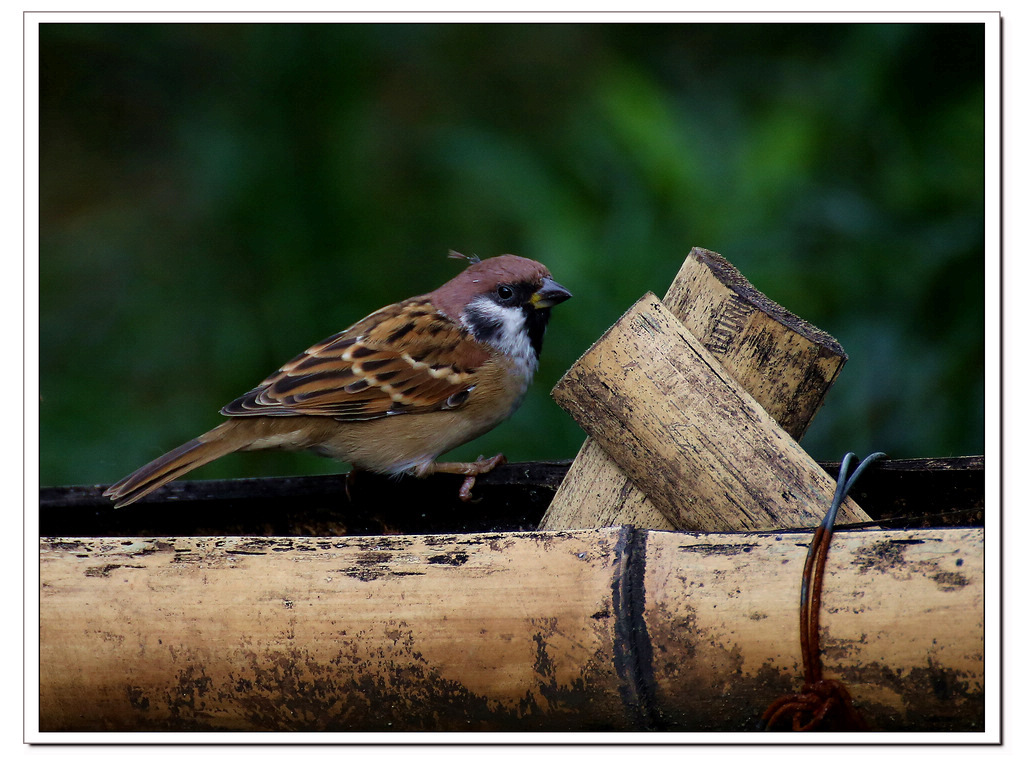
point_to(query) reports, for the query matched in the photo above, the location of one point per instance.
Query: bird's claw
(480, 466)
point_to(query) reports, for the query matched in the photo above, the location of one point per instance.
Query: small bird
(396, 389)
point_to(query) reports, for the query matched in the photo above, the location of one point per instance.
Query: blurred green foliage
(216, 197)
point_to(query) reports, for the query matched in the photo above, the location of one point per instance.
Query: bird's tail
(207, 447)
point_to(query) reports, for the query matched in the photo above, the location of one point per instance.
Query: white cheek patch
(504, 328)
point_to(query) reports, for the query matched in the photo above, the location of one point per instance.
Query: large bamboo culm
(616, 628)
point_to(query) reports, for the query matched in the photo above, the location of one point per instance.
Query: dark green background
(215, 198)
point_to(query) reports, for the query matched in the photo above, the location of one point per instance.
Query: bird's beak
(550, 294)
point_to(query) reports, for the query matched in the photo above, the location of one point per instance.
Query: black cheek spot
(483, 326)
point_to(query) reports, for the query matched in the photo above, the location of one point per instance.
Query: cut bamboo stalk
(784, 362)
(705, 453)
(610, 629)
(733, 636)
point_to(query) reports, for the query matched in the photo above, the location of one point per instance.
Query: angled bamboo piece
(786, 364)
(705, 453)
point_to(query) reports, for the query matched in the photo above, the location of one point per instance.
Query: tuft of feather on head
(474, 259)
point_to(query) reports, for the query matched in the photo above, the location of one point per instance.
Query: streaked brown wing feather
(405, 358)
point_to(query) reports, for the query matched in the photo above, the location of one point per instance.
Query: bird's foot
(472, 470)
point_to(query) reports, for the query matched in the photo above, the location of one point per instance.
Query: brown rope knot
(810, 708)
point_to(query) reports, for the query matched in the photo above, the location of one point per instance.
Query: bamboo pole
(726, 605)
(617, 629)
(786, 364)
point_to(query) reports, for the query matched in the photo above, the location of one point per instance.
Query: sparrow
(398, 388)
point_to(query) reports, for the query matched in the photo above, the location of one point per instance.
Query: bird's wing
(405, 358)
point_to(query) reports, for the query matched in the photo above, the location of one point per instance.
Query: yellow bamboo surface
(785, 364)
(618, 629)
(701, 448)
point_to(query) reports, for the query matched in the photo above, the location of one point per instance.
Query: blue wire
(843, 485)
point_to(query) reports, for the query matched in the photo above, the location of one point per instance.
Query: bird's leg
(350, 482)
(480, 466)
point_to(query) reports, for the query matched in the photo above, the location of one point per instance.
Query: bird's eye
(505, 292)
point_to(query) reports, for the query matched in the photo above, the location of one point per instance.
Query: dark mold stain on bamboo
(883, 556)
(933, 698)
(451, 558)
(104, 571)
(368, 687)
(948, 581)
(719, 549)
(370, 564)
(886, 556)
